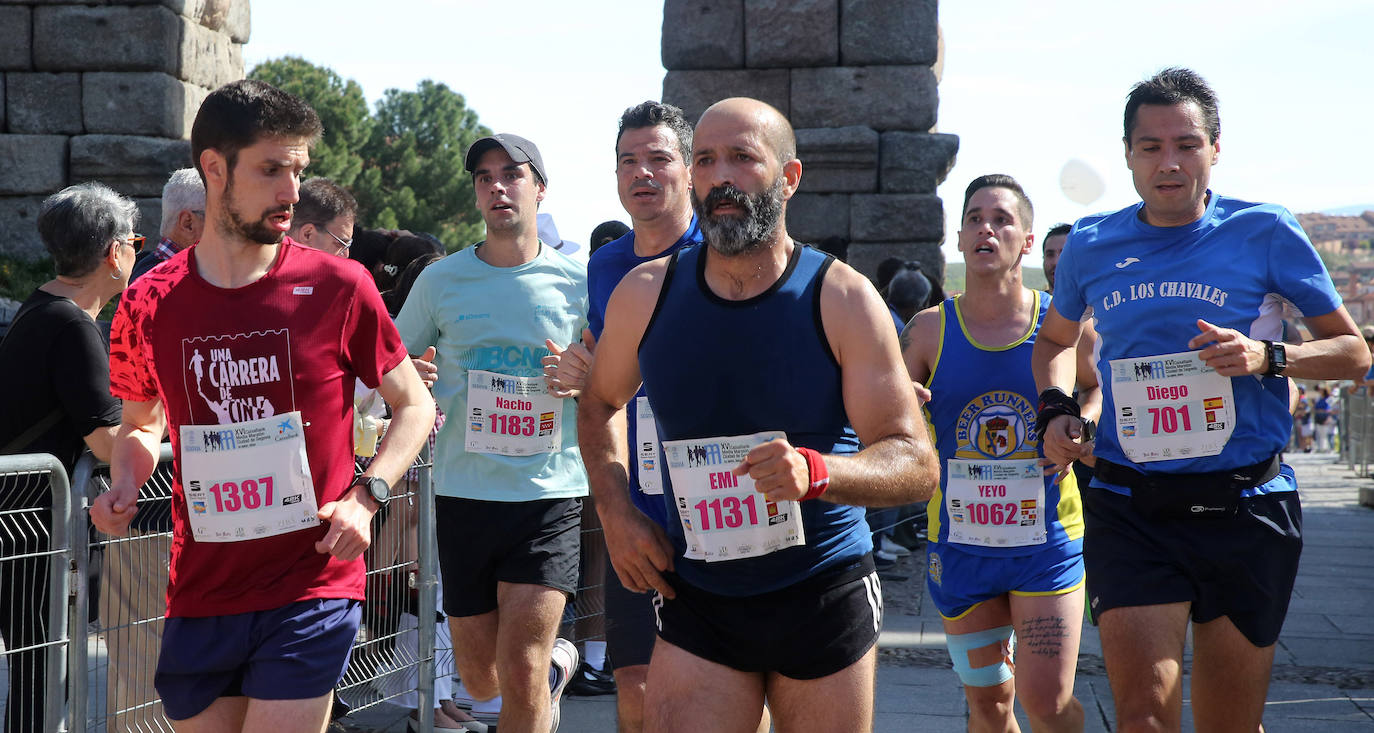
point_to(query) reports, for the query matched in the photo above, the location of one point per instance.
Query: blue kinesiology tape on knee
(961, 644)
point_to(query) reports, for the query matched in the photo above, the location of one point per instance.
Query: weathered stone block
(838, 159)
(702, 34)
(16, 37)
(881, 97)
(812, 217)
(139, 103)
(130, 164)
(916, 162)
(888, 217)
(789, 33)
(208, 58)
(888, 32)
(865, 257)
(78, 38)
(694, 91)
(38, 103)
(239, 25)
(32, 164)
(18, 227)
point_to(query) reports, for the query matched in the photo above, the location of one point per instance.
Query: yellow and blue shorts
(958, 580)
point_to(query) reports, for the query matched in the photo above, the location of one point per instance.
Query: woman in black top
(55, 377)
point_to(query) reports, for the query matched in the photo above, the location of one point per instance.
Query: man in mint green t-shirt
(508, 474)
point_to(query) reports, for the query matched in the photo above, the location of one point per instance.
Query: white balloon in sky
(1080, 182)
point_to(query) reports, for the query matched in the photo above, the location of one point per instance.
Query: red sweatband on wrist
(819, 475)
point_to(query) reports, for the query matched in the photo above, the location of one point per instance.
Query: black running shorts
(483, 542)
(806, 631)
(1242, 567)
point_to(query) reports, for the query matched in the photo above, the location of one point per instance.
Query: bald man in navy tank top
(783, 408)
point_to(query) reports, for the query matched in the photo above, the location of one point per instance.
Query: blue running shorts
(296, 652)
(959, 580)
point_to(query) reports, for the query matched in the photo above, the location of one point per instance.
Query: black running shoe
(590, 681)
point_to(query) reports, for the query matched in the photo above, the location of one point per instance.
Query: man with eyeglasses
(183, 220)
(324, 217)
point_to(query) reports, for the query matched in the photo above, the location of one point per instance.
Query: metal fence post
(426, 582)
(59, 574)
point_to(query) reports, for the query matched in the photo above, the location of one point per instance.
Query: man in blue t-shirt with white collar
(1190, 516)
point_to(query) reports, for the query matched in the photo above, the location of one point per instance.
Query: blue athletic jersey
(1148, 285)
(714, 367)
(606, 268)
(982, 406)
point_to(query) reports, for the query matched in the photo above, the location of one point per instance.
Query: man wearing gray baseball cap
(517, 148)
(508, 475)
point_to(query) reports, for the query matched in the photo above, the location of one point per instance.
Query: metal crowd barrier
(112, 672)
(1357, 429)
(120, 653)
(390, 663)
(35, 574)
(114, 656)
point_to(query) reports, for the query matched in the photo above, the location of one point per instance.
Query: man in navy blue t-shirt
(1190, 515)
(651, 149)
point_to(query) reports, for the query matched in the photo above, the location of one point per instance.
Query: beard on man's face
(258, 232)
(733, 234)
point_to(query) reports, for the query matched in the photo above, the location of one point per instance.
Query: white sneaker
(563, 663)
(883, 557)
(890, 546)
(486, 711)
(461, 697)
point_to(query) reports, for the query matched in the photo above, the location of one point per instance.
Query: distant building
(1355, 282)
(1339, 233)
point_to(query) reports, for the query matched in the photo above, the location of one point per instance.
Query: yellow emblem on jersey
(996, 424)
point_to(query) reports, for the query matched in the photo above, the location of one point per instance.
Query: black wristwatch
(376, 487)
(1277, 356)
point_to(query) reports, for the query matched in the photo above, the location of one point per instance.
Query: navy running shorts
(296, 652)
(1241, 567)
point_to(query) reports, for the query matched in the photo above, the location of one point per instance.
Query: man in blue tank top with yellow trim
(1191, 519)
(768, 365)
(1005, 555)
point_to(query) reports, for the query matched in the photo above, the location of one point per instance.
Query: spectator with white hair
(183, 220)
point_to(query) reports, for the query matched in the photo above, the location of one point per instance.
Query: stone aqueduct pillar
(105, 90)
(857, 79)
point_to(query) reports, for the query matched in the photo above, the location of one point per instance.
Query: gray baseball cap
(518, 148)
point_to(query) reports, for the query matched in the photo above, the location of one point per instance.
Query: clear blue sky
(1026, 86)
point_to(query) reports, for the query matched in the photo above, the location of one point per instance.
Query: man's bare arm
(1054, 362)
(897, 464)
(638, 549)
(133, 458)
(1085, 382)
(412, 419)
